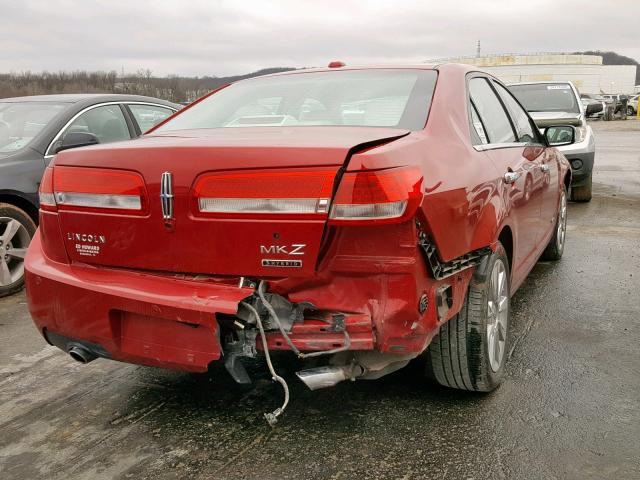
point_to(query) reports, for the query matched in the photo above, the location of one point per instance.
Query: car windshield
(21, 122)
(546, 97)
(372, 98)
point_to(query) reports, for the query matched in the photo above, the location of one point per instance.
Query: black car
(32, 131)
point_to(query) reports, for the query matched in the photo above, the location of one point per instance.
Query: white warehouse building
(586, 72)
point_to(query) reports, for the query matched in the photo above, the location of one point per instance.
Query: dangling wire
(272, 418)
(274, 317)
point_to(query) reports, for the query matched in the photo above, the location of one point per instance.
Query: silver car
(558, 103)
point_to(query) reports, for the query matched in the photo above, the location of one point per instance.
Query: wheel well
(21, 203)
(506, 239)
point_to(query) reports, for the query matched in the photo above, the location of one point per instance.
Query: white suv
(558, 103)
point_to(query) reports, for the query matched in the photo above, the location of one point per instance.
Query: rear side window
(477, 125)
(106, 122)
(497, 127)
(148, 116)
(518, 115)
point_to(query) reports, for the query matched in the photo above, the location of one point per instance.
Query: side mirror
(559, 135)
(75, 140)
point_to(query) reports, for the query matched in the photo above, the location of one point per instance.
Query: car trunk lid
(282, 164)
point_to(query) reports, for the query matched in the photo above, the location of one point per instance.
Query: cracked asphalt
(569, 408)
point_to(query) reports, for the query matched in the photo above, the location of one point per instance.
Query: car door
(516, 163)
(147, 116)
(545, 168)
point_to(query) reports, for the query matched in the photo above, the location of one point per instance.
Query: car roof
(462, 68)
(547, 82)
(394, 66)
(87, 98)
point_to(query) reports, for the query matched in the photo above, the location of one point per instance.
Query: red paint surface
(151, 294)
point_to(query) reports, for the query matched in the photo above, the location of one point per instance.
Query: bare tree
(173, 87)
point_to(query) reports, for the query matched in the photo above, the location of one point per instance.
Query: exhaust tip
(323, 377)
(81, 355)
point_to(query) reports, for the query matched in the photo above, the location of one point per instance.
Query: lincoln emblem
(166, 197)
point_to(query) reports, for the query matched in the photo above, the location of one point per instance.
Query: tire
(583, 193)
(459, 355)
(555, 248)
(630, 111)
(16, 231)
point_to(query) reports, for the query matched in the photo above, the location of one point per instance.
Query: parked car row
(361, 215)
(619, 101)
(594, 105)
(32, 131)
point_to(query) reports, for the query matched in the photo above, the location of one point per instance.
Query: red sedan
(362, 215)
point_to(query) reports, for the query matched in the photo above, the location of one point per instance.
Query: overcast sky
(220, 37)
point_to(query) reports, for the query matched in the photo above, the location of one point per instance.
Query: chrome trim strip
(48, 155)
(496, 146)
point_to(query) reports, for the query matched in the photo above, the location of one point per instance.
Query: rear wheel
(556, 245)
(470, 350)
(16, 231)
(583, 193)
(630, 111)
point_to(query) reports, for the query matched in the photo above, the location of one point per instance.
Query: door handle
(544, 167)
(511, 177)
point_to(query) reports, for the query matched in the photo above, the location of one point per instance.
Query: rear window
(369, 98)
(546, 97)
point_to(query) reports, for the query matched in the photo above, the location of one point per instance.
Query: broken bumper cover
(156, 320)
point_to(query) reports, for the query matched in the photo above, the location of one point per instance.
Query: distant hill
(215, 82)
(613, 58)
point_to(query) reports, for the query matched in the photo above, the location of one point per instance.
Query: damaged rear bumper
(382, 292)
(166, 321)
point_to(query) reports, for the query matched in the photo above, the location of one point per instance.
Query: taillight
(377, 195)
(101, 190)
(47, 199)
(271, 192)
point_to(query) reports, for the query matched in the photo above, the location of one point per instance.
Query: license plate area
(167, 341)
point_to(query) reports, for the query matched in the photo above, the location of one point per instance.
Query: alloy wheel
(562, 221)
(497, 314)
(14, 240)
